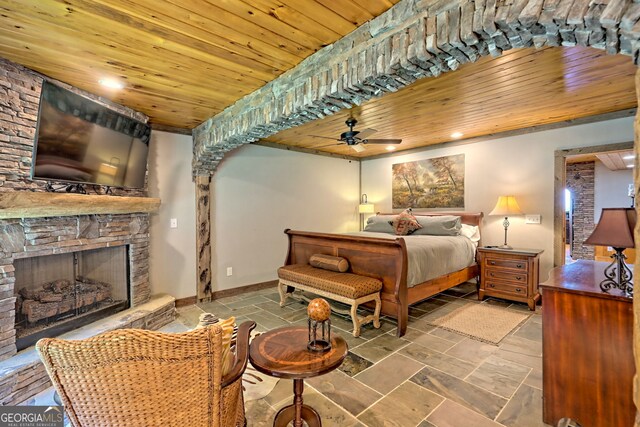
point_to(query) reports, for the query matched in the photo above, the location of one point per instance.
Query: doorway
(588, 179)
(568, 228)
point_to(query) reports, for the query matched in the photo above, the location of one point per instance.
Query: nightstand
(511, 274)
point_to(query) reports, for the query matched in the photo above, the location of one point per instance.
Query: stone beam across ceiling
(412, 40)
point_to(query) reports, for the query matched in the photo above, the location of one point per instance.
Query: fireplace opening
(62, 292)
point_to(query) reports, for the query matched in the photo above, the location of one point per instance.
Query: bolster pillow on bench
(328, 262)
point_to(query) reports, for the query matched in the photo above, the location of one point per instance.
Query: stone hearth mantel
(26, 204)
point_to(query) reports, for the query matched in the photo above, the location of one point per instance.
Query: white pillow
(472, 232)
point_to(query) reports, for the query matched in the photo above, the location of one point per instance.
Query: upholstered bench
(340, 286)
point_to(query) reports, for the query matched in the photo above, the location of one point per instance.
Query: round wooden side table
(283, 353)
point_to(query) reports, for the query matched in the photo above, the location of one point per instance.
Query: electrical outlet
(173, 223)
(229, 271)
(532, 219)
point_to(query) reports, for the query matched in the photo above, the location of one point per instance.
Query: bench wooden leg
(282, 290)
(376, 313)
(355, 319)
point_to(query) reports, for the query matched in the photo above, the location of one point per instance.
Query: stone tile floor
(430, 377)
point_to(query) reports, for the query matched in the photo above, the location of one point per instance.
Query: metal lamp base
(618, 274)
(505, 224)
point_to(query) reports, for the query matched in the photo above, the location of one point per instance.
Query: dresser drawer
(508, 275)
(515, 264)
(511, 288)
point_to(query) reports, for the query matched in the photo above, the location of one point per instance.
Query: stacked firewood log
(59, 297)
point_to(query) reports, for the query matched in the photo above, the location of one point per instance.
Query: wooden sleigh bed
(383, 259)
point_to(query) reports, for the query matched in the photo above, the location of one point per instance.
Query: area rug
(482, 322)
(256, 384)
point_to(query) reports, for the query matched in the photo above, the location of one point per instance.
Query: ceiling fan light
(358, 148)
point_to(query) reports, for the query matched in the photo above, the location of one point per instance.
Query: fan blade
(329, 145)
(382, 141)
(324, 137)
(363, 134)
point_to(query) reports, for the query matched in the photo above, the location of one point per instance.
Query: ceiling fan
(354, 138)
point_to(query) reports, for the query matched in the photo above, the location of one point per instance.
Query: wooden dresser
(587, 338)
(511, 274)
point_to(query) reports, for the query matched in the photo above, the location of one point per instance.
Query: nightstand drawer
(514, 264)
(511, 276)
(512, 288)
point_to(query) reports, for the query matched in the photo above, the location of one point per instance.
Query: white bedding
(432, 256)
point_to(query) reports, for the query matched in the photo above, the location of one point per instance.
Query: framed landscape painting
(431, 183)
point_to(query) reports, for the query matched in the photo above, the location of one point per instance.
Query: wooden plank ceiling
(521, 89)
(182, 61)
(618, 160)
(613, 160)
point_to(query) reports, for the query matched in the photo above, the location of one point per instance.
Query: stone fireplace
(58, 293)
(96, 245)
(47, 262)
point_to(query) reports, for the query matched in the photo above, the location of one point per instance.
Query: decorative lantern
(319, 312)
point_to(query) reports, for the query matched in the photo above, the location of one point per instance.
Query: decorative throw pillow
(380, 224)
(229, 335)
(439, 225)
(228, 343)
(328, 262)
(405, 223)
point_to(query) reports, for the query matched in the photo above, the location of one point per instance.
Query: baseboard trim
(243, 289)
(228, 293)
(183, 302)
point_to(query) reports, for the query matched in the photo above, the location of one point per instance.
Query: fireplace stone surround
(22, 375)
(30, 237)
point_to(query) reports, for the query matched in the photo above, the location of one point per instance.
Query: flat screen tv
(81, 141)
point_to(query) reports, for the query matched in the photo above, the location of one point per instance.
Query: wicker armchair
(132, 378)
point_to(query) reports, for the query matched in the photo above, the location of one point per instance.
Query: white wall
(258, 192)
(611, 189)
(520, 165)
(172, 268)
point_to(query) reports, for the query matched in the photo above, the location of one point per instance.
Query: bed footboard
(383, 259)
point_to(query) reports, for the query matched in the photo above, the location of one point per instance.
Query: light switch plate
(173, 223)
(532, 219)
(229, 271)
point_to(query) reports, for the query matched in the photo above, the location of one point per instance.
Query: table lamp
(615, 229)
(364, 208)
(506, 206)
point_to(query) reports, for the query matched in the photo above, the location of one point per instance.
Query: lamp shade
(615, 228)
(506, 206)
(365, 208)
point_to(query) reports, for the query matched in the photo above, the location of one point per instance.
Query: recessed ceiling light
(456, 135)
(111, 83)
(630, 166)
(390, 147)
(629, 157)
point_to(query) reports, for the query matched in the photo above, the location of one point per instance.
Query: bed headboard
(471, 218)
